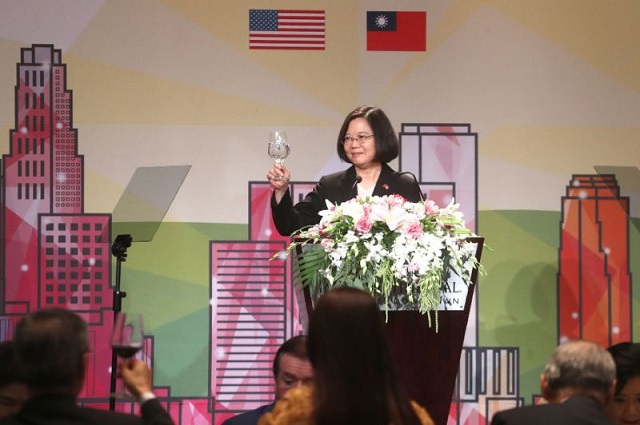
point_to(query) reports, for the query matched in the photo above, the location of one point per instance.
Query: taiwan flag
(397, 31)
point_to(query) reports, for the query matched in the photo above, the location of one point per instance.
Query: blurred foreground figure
(354, 379)
(624, 409)
(13, 393)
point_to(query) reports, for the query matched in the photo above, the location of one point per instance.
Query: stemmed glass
(127, 337)
(278, 146)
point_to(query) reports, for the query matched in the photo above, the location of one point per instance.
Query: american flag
(286, 29)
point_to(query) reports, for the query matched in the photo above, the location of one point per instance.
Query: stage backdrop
(525, 112)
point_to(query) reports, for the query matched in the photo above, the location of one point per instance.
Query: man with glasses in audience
(291, 368)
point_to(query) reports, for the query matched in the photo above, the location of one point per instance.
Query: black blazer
(337, 188)
(575, 410)
(53, 409)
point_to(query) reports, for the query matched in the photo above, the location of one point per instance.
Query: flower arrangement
(394, 249)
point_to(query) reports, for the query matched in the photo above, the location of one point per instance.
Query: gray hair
(580, 365)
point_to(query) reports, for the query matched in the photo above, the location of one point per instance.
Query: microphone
(358, 181)
(415, 179)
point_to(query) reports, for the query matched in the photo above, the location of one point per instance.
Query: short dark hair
(386, 140)
(7, 367)
(50, 345)
(626, 356)
(295, 346)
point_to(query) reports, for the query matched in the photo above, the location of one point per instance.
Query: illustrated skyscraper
(594, 279)
(53, 254)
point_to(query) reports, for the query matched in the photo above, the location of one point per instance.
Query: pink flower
(395, 200)
(364, 224)
(414, 230)
(326, 243)
(431, 208)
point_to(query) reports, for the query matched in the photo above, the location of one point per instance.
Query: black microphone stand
(119, 250)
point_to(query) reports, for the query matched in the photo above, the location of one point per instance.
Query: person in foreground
(51, 356)
(354, 376)
(624, 408)
(578, 382)
(291, 369)
(13, 393)
(368, 142)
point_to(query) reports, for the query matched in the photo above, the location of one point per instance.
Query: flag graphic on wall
(399, 31)
(286, 29)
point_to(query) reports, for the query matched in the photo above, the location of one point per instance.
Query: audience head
(624, 408)
(13, 393)
(578, 368)
(386, 140)
(51, 347)
(291, 366)
(355, 380)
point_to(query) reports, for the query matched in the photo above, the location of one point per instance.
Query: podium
(427, 361)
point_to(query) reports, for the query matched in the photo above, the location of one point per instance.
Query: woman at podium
(368, 142)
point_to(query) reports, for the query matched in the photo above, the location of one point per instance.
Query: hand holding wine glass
(136, 376)
(278, 147)
(128, 336)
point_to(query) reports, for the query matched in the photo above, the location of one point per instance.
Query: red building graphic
(594, 280)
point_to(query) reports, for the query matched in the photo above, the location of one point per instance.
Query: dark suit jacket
(337, 188)
(59, 409)
(575, 410)
(249, 418)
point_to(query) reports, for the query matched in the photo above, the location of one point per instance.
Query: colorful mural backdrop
(515, 110)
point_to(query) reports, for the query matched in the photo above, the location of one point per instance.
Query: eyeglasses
(360, 138)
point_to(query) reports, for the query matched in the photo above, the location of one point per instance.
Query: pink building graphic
(250, 301)
(594, 280)
(52, 253)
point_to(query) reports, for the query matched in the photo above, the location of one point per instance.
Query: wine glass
(127, 337)
(278, 146)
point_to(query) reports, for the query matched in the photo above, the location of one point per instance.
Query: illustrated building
(249, 305)
(594, 278)
(488, 381)
(53, 255)
(444, 160)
